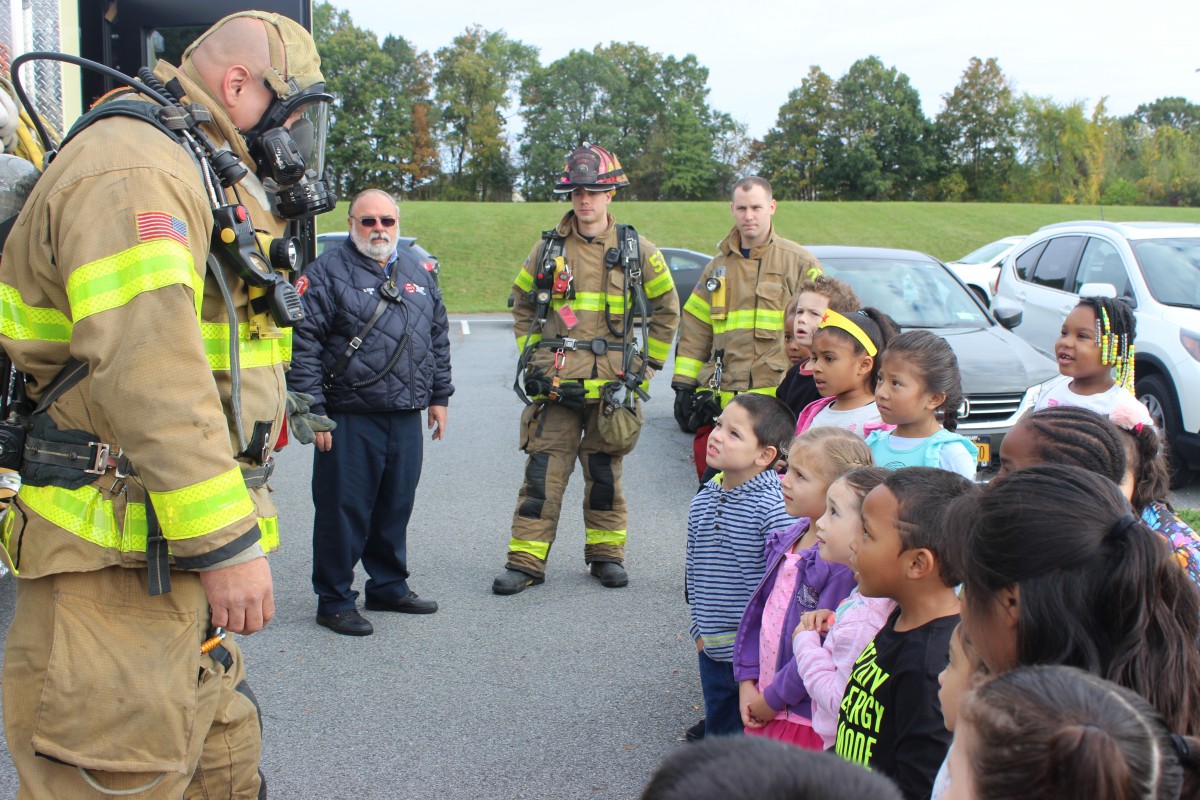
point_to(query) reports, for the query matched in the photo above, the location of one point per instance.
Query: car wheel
(1155, 393)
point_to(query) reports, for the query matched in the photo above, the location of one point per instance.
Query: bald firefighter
(139, 535)
(586, 356)
(731, 337)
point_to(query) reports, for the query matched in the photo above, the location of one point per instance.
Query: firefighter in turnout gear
(731, 336)
(582, 345)
(139, 535)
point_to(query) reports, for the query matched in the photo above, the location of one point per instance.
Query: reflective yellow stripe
(269, 528)
(20, 321)
(532, 338)
(660, 285)
(597, 536)
(594, 301)
(749, 319)
(252, 352)
(113, 281)
(523, 281)
(593, 387)
(203, 507)
(727, 396)
(657, 350)
(688, 367)
(6, 532)
(698, 307)
(539, 550)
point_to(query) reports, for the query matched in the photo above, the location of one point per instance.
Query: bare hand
(437, 421)
(323, 441)
(759, 712)
(747, 691)
(818, 621)
(699, 645)
(241, 597)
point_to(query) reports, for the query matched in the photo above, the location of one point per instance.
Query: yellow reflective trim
(21, 322)
(533, 338)
(539, 550)
(523, 281)
(592, 388)
(203, 507)
(269, 528)
(698, 307)
(660, 285)
(727, 396)
(657, 350)
(688, 367)
(83, 512)
(251, 352)
(749, 319)
(6, 532)
(597, 536)
(594, 301)
(113, 281)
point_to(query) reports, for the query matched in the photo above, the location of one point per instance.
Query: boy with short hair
(813, 297)
(730, 519)
(890, 719)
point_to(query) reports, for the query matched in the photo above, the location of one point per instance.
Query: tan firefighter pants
(100, 675)
(554, 440)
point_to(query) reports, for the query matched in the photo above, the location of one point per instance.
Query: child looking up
(808, 305)
(730, 519)
(890, 720)
(845, 364)
(919, 391)
(1096, 340)
(825, 666)
(1048, 732)
(774, 701)
(963, 671)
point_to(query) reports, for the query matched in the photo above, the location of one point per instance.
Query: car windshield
(985, 253)
(916, 294)
(1171, 268)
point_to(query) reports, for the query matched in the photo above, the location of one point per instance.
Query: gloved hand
(303, 423)
(571, 395)
(536, 383)
(706, 407)
(683, 406)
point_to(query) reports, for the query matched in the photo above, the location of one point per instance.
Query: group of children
(826, 557)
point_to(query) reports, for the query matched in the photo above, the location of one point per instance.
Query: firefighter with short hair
(139, 535)
(582, 343)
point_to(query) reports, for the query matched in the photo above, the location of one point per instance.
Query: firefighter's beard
(377, 245)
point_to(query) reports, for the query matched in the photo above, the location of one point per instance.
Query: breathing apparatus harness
(71, 459)
(553, 276)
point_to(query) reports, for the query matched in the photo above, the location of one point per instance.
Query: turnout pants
(553, 441)
(98, 675)
(363, 491)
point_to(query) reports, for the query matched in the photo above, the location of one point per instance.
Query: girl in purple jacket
(773, 699)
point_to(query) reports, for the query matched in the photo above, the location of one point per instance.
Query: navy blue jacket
(341, 290)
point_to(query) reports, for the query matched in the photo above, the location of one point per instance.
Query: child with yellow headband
(845, 365)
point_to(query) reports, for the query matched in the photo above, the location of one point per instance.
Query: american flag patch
(160, 225)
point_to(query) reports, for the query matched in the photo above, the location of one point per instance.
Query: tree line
(483, 119)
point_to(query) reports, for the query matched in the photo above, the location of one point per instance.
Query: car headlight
(1034, 393)
(1190, 342)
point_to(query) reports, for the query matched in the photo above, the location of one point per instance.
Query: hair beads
(1115, 341)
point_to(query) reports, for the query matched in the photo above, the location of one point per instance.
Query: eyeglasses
(369, 222)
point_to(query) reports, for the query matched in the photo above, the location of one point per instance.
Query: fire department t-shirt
(890, 720)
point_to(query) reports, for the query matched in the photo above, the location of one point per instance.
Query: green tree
(979, 128)
(476, 79)
(792, 152)
(1170, 112)
(1063, 151)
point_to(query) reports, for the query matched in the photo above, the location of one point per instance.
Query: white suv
(1153, 265)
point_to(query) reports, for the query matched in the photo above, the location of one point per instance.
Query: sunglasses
(369, 222)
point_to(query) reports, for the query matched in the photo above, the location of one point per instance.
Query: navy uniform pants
(363, 490)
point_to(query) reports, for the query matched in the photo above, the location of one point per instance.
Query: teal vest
(926, 454)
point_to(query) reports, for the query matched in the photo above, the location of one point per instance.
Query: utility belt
(597, 346)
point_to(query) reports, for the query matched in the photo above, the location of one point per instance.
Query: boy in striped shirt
(729, 521)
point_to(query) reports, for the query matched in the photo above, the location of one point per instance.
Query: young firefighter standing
(581, 344)
(114, 674)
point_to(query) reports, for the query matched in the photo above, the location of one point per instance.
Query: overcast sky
(757, 51)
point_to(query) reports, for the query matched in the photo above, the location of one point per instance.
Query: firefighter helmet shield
(593, 168)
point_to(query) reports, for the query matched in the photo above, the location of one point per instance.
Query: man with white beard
(372, 352)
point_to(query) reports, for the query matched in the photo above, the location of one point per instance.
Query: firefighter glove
(683, 406)
(706, 407)
(302, 421)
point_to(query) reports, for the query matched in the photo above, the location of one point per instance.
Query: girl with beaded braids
(1095, 355)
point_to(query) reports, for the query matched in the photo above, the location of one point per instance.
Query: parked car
(685, 266)
(1153, 265)
(978, 269)
(1002, 376)
(428, 260)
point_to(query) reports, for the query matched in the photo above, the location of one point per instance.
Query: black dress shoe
(409, 604)
(347, 623)
(696, 732)
(513, 581)
(611, 574)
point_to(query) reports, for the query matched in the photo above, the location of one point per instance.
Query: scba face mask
(288, 148)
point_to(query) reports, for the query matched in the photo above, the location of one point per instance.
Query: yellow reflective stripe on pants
(251, 352)
(595, 536)
(113, 281)
(727, 396)
(539, 550)
(203, 507)
(698, 307)
(688, 367)
(25, 322)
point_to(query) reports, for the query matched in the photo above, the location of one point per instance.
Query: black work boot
(513, 581)
(610, 574)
